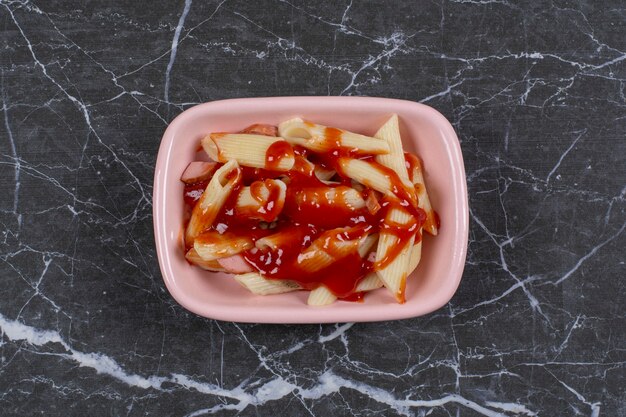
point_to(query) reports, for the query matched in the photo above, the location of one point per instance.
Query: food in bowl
(302, 206)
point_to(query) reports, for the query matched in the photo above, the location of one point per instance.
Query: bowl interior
(424, 131)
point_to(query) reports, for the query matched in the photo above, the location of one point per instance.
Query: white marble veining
(536, 93)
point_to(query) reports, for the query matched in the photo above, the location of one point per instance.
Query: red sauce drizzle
(276, 153)
(341, 277)
(308, 214)
(332, 138)
(268, 205)
(412, 162)
(402, 232)
(355, 297)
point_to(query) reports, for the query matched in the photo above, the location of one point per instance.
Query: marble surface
(536, 93)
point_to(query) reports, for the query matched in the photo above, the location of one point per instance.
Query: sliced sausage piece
(371, 202)
(235, 264)
(261, 129)
(198, 171)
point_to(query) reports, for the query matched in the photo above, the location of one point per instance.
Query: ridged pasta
(367, 174)
(369, 282)
(323, 173)
(212, 245)
(321, 296)
(390, 133)
(272, 242)
(416, 256)
(247, 150)
(253, 201)
(193, 257)
(319, 138)
(340, 195)
(417, 178)
(317, 256)
(217, 191)
(368, 244)
(258, 284)
(394, 274)
(376, 182)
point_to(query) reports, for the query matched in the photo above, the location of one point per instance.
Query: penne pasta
(258, 284)
(395, 160)
(285, 238)
(262, 200)
(324, 174)
(340, 196)
(193, 257)
(417, 178)
(213, 198)
(319, 138)
(367, 174)
(390, 133)
(256, 151)
(369, 283)
(327, 248)
(307, 206)
(304, 166)
(321, 296)
(393, 274)
(430, 225)
(416, 256)
(213, 245)
(367, 245)
(316, 257)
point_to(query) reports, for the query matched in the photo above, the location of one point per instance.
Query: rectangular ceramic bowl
(217, 295)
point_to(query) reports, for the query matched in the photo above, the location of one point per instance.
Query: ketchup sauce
(311, 209)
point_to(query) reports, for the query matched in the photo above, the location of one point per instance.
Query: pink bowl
(218, 296)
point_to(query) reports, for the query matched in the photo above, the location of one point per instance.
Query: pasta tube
(213, 198)
(212, 245)
(367, 245)
(330, 196)
(262, 200)
(430, 225)
(317, 257)
(319, 138)
(258, 284)
(284, 238)
(193, 257)
(394, 273)
(417, 178)
(416, 256)
(321, 296)
(369, 283)
(390, 133)
(257, 151)
(367, 174)
(324, 174)
(329, 247)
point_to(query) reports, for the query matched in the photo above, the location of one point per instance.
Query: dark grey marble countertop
(536, 93)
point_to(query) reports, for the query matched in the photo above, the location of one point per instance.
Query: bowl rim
(388, 312)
